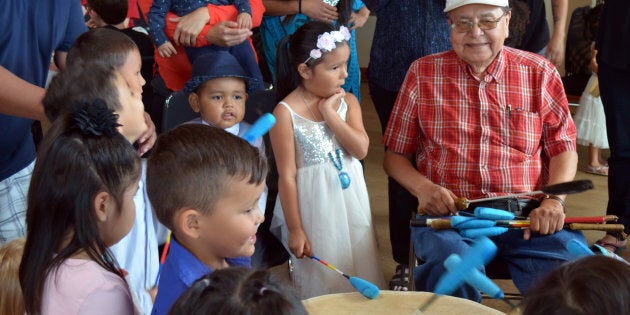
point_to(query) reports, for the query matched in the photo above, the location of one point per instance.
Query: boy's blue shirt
(181, 269)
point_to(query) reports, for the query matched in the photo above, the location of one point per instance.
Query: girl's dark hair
(82, 155)
(295, 49)
(590, 285)
(239, 291)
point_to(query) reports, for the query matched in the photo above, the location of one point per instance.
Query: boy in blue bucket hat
(218, 92)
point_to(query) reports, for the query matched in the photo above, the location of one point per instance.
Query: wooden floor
(588, 203)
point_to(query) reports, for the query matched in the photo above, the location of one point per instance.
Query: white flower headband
(327, 42)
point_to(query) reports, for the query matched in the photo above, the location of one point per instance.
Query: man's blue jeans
(527, 260)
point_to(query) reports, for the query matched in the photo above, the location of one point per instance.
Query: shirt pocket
(524, 131)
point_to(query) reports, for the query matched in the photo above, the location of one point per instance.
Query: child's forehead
(223, 82)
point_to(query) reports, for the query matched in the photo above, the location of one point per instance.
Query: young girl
(276, 25)
(590, 122)
(79, 203)
(137, 252)
(318, 138)
(239, 290)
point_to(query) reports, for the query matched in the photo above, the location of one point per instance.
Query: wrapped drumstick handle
(574, 223)
(572, 187)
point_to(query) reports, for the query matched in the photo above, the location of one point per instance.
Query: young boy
(218, 92)
(204, 184)
(111, 14)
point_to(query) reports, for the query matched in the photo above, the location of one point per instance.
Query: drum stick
(567, 188)
(368, 289)
(573, 223)
(164, 252)
(260, 127)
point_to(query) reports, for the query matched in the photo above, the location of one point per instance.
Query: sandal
(613, 246)
(400, 280)
(597, 170)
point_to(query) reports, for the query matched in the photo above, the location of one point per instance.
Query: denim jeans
(528, 260)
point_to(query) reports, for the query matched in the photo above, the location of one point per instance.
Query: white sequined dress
(337, 221)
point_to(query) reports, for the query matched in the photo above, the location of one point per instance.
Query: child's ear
(193, 100)
(304, 71)
(188, 222)
(103, 203)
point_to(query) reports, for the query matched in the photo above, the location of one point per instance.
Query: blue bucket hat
(219, 64)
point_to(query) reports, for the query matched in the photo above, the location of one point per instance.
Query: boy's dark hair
(590, 285)
(295, 49)
(111, 11)
(239, 291)
(100, 45)
(76, 84)
(191, 166)
(72, 167)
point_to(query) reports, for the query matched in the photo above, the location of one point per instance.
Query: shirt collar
(186, 265)
(494, 71)
(233, 130)
(189, 268)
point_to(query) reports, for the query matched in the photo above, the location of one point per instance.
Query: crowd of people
(470, 102)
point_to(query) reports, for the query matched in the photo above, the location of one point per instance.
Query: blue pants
(527, 260)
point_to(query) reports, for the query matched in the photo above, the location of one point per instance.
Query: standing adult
(613, 58)
(537, 37)
(283, 18)
(484, 120)
(408, 30)
(33, 30)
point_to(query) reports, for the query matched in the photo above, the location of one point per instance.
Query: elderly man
(484, 120)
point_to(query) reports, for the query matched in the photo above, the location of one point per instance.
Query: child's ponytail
(287, 76)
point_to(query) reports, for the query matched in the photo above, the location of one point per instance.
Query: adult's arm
(315, 9)
(193, 29)
(435, 200)
(549, 217)
(556, 46)
(20, 98)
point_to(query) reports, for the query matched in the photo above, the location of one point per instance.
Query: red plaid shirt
(482, 138)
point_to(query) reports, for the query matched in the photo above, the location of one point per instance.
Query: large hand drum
(392, 302)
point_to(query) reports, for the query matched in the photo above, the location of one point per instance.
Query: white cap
(454, 4)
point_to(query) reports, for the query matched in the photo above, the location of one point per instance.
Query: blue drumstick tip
(368, 289)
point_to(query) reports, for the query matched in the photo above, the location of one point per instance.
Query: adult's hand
(555, 51)
(359, 19)
(436, 200)
(189, 26)
(546, 219)
(227, 34)
(318, 10)
(147, 139)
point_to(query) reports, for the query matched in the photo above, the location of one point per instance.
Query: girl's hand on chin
(332, 101)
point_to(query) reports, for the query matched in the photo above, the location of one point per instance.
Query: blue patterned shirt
(405, 31)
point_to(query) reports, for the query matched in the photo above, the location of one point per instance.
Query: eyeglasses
(464, 26)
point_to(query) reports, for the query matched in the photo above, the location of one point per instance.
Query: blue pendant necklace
(344, 178)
